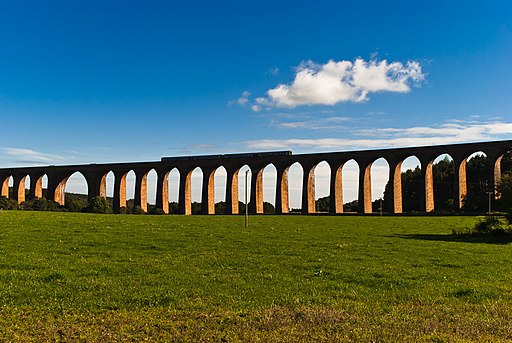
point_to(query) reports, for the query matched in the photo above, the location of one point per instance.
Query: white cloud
(397, 137)
(242, 100)
(342, 81)
(256, 108)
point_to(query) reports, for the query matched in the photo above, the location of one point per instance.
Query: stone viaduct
(95, 175)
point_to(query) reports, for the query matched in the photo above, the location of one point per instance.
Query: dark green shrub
(508, 217)
(8, 204)
(123, 210)
(268, 208)
(157, 211)
(137, 210)
(173, 208)
(98, 205)
(492, 225)
(40, 204)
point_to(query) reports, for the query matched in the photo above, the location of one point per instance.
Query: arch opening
(478, 197)
(244, 178)
(151, 185)
(219, 188)
(107, 187)
(443, 174)
(40, 187)
(410, 185)
(27, 186)
(379, 179)
(269, 185)
(295, 187)
(350, 189)
(7, 187)
(322, 187)
(72, 192)
(194, 189)
(173, 181)
(127, 192)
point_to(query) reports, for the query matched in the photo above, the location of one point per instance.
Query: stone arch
(173, 182)
(295, 186)
(282, 192)
(107, 185)
(350, 187)
(336, 188)
(7, 183)
(19, 189)
(219, 190)
(379, 171)
(502, 165)
(141, 194)
(478, 182)
(74, 183)
(125, 196)
(38, 184)
(151, 185)
(269, 186)
(321, 190)
(26, 191)
(408, 185)
(244, 193)
(193, 190)
(442, 169)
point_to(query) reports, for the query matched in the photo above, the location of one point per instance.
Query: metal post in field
(246, 192)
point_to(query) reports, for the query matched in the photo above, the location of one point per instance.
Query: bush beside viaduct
(95, 175)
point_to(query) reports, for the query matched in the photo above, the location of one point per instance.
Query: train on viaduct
(95, 175)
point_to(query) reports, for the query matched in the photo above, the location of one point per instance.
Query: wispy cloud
(242, 100)
(328, 124)
(27, 156)
(341, 81)
(273, 71)
(397, 137)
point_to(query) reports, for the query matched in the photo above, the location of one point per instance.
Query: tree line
(476, 200)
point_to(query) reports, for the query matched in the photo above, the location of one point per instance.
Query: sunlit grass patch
(117, 277)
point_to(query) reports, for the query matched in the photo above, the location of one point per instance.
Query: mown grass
(86, 277)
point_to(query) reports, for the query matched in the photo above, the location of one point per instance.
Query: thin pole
(246, 192)
(489, 194)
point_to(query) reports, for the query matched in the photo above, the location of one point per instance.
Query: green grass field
(86, 277)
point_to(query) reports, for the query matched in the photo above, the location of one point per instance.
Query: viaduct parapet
(95, 175)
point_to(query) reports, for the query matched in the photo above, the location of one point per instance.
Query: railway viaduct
(95, 175)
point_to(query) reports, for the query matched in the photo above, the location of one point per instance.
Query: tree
(75, 202)
(504, 190)
(322, 204)
(352, 206)
(477, 179)
(98, 205)
(411, 192)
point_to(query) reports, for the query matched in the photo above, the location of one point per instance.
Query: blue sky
(108, 81)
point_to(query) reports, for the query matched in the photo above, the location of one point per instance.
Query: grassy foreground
(85, 277)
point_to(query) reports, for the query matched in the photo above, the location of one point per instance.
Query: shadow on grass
(466, 238)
